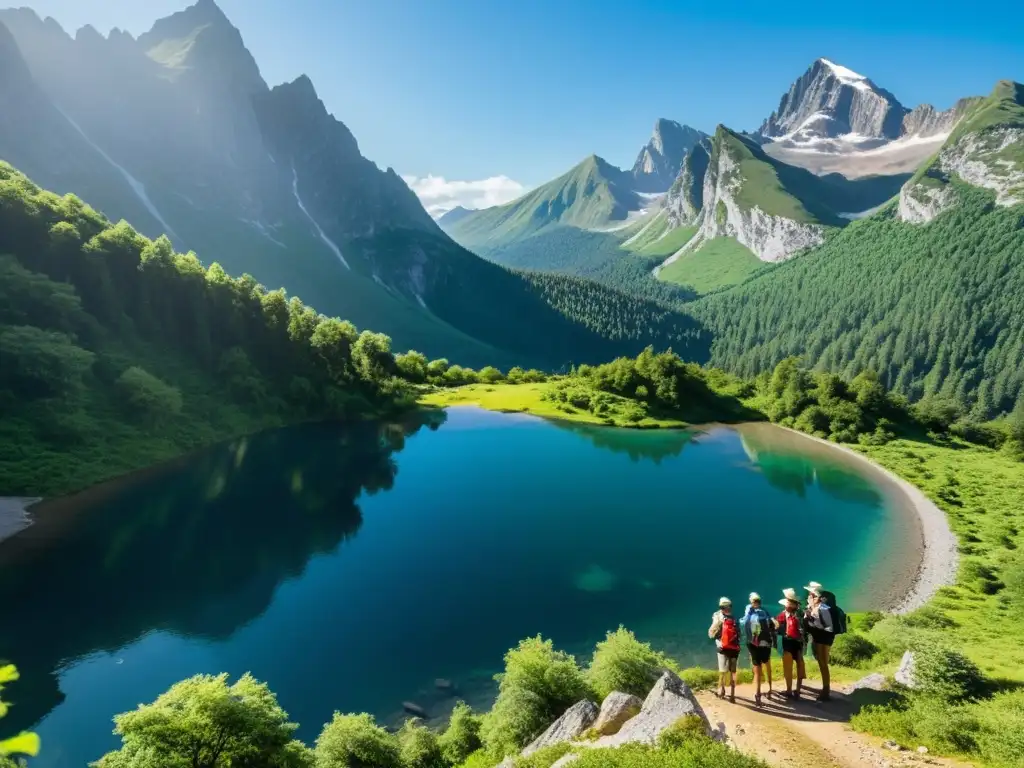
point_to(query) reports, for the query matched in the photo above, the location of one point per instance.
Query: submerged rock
(414, 709)
(669, 699)
(577, 719)
(444, 685)
(616, 709)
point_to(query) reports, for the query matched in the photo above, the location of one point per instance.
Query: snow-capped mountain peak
(847, 76)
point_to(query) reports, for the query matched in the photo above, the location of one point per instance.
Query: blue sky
(470, 90)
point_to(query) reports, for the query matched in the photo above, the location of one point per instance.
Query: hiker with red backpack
(725, 631)
(824, 620)
(759, 631)
(791, 633)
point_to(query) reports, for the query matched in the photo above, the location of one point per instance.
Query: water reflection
(190, 550)
(793, 463)
(652, 445)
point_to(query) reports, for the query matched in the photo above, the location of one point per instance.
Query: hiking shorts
(727, 660)
(760, 654)
(794, 648)
(822, 636)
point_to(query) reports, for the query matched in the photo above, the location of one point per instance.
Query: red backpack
(789, 625)
(730, 634)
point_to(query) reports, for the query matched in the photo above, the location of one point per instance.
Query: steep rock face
(669, 700)
(661, 159)
(770, 236)
(925, 121)
(830, 100)
(985, 150)
(686, 196)
(572, 724)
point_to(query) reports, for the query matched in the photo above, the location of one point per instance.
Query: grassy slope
(592, 194)
(719, 262)
(669, 243)
(528, 398)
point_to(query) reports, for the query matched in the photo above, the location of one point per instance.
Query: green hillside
(593, 194)
(935, 309)
(718, 263)
(794, 193)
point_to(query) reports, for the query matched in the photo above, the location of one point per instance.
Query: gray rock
(564, 760)
(508, 762)
(443, 684)
(922, 750)
(873, 682)
(576, 719)
(669, 700)
(905, 674)
(414, 709)
(616, 709)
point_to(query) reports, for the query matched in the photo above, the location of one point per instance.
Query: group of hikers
(795, 628)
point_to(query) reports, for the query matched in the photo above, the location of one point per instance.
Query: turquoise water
(351, 567)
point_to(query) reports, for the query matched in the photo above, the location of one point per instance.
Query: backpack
(784, 622)
(764, 631)
(729, 637)
(837, 614)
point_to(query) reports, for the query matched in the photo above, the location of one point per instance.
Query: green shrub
(462, 736)
(699, 753)
(1001, 739)
(929, 617)
(684, 730)
(852, 649)
(419, 746)
(537, 686)
(700, 679)
(491, 375)
(946, 674)
(148, 396)
(478, 759)
(866, 621)
(544, 757)
(623, 663)
(351, 741)
(920, 720)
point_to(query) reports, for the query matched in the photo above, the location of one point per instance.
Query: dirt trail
(806, 733)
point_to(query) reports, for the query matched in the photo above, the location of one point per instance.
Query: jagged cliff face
(987, 151)
(829, 101)
(686, 196)
(925, 121)
(661, 159)
(772, 238)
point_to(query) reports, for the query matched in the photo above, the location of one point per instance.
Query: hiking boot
(824, 696)
(757, 699)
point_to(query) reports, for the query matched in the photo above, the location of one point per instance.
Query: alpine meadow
(307, 463)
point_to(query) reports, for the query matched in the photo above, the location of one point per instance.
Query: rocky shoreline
(939, 555)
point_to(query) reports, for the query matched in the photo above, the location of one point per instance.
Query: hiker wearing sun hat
(791, 630)
(759, 633)
(725, 631)
(818, 619)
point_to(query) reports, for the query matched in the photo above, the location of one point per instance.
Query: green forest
(935, 310)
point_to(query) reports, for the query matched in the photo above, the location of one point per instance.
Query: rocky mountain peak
(661, 158)
(830, 101)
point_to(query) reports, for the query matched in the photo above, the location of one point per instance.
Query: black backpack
(838, 614)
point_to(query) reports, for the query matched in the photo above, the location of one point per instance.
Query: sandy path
(805, 734)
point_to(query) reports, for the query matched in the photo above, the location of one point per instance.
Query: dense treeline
(108, 336)
(935, 309)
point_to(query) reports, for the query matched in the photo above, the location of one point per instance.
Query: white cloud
(439, 195)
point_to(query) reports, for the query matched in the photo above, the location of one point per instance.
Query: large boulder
(616, 709)
(577, 719)
(669, 700)
(905, 674)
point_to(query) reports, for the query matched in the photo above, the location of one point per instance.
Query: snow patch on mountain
(847, 76)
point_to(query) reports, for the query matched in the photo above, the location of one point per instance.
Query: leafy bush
(349, 741)
(946, 674)
(929, 617)
(40, 363)
(699, 679)
(1001, 740)
(491, 375)
(702, 753)
(147, 395)
(537, 686)
(412, 366)
(623, 663)
(683, 731)
(419, 746)
(544, 757)
(204, 721)
(462, 736)
(852, 649)
(867, 621)
(22, 744)
(912, 722)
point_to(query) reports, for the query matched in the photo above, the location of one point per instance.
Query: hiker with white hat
(791, 630)
(725, 631)
(760, 635)
(818, 618)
